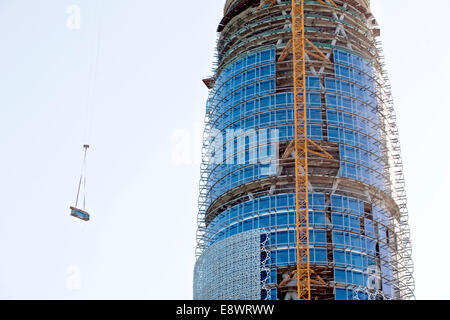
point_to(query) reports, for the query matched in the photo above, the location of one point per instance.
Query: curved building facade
(359, 234)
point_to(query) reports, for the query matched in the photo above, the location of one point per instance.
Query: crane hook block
(80, 214)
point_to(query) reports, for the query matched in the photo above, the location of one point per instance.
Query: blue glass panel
(340, 276)
(341, 294)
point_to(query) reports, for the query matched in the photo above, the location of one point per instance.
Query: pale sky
(140, 243)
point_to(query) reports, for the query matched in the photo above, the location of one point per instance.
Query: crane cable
(82, 181)
(93, 71)
(90, 103)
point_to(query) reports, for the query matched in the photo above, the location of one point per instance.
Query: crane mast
(301, 48)
(301, 151)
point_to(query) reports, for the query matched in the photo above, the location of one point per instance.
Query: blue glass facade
(346, 233)
(352, 118)
(245, 99)
(359, 233)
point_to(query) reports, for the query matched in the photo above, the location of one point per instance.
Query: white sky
(140, 243)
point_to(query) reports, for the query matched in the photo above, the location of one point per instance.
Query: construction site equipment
(75, 212)
(93, 71)
(80, 214)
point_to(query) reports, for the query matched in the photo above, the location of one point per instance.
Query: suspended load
(81, 214)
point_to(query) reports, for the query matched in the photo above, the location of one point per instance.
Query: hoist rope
(93, 71)
(82, 180)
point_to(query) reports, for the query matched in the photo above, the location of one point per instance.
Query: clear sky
(148, 102)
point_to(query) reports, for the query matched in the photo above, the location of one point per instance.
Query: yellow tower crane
(300, 47)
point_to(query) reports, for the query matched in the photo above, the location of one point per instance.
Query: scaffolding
(394, 167)
(346, 28)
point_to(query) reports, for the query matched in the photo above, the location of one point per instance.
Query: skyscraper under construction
(302, 190)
